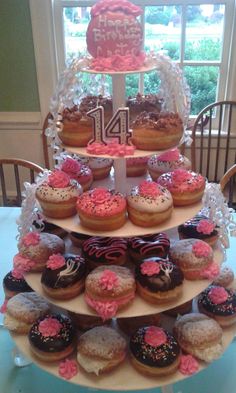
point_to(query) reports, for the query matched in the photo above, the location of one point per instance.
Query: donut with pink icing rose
(77, 171)
(100, 167)
(149, 204)
(52, 337)
(159, 280)
(195, 258)
(186, 187)
(154, 351)
(199, 227)
(34, 251)
(136, 166)
(218, 303)
(64, 275)
(57, 196)
(102, 209)
(109, 289)
(115, 35)
(167, 162)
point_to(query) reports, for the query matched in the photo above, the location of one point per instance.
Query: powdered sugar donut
(77, 171)
(100, 167)
(58, 195)
(167, 162)
(102, 209)
(136, 166)
(108, 289)
(195, 258)
(186, 187)
(149, 204)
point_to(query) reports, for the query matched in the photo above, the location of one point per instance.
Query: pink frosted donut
(78, 171)
(136, 166)
(186, 187)
(167, 162)
(149, 204)
(102, 209)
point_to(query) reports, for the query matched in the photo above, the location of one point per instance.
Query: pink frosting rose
(155, 336)
(201, 249)
(206, 227)
(218, 295)
(170, 155)
(108, 280)
(105, 310)
(149, 268)
(49, 327)
(17, 274)
(68, 369)
(58, 179)
(181, 175)
(188, 365)
(3, 308)
(71, 166)
(211, 271)
(22, 264)
(55, 261)
(149, 189)
(100, 195)
(31, 239)
(112, 149)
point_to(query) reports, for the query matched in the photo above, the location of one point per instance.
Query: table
(219, 377)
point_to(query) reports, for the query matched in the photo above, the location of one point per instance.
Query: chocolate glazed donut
(104, 251)
(189, 230)
(149, 245)
(13, 285)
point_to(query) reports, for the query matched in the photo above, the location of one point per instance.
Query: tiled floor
(219, 377)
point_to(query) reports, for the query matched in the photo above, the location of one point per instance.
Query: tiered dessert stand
(125, 372)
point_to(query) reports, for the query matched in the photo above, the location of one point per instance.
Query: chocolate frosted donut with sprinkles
(52, 337)
(155, 245)
(104, 251)
(154, 351)
(199, 227)
(14, 284)
(218, 303)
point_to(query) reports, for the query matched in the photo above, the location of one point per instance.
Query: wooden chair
(18, 166)
(213, 147)
(228, 186)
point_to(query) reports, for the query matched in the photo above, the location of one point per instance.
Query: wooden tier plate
(138, 307)
(179, 215)
(124, 377)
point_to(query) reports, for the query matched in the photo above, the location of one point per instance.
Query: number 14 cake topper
(117, 127)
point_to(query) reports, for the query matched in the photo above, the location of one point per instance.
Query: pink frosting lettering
(31, 239)
(170, 155)
(55, 261)
(181, 175)
(58, 179)
(206, 227)
(3, 308)
(155, 336)
(149, 268)
(201, 249)
(188, 365)
(49, 327)
(218, 295)
(108, 280)
(22, 264)
(71, 166)
(211, 271)
(68, 369)
(149, 189)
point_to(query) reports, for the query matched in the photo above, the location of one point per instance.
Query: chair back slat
(228, 137)
(3, 185)
(18, 186)
(209, 144)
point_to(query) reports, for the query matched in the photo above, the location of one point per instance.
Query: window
(197, 34)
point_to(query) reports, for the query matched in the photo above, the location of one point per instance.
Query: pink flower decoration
(149, 268)
(206, 227)
(181, 175)
(218, 295)
(149, 189)
(3, 308)
(17, 274)
(58, 179)
(71, 166)
(111, 149)
(100, 195)
(108, 280)
(170, 155)
(155, 336)
(55, 261)
(108, 5)
(188, 365)
(211, 271)
(31, 239)
(22, 264)
(201, 249)
(49, 327)
(105, 310)
(68, 369)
